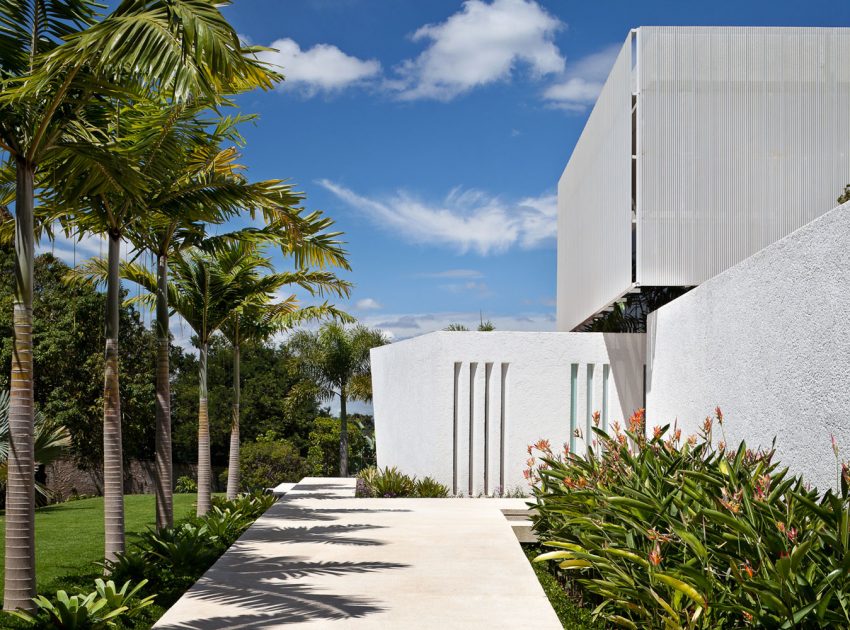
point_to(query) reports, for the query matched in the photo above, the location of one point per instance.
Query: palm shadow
(323, 534)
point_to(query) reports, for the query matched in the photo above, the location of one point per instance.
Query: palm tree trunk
(113, 465)
(163, 465)
(233, 465)
(343, 435)
(19, 581)
(204, 469)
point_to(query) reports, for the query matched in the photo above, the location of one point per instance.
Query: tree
(337, 358)
(256, 322)
(55, 62)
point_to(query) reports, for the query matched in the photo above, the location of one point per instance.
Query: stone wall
(65, 479)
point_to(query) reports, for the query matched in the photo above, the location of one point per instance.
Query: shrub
(101, 608)
(428, 487)
(388, 483)
(666, 533)
(186, 485)
(266, 464)
(323, 452)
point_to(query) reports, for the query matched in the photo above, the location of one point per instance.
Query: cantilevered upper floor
(706, 145)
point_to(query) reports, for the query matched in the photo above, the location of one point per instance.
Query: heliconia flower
(747, 617)
(834, 444)
(596, 418)
(792, 534)
(746, 568)
(657, 432)
(530, 448)
(718, 414)
(781, 527)
(721, 445)
(677, 435)
(692, 440)
(655, 556)
(616, 426)
(544, 445)
(707, 424)
(526, 474)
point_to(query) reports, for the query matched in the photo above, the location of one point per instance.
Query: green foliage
(674, 534)
(276, 396)
(845, 195)
(186, 485)
(68, 337)
(323, 451)
(429, 488)
(172, 559)
(570, 613)
(267, 464)
(102, 608)
(387, 483)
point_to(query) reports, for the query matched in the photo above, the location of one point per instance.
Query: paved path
(320, 558)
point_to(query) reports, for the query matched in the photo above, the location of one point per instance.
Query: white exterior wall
(744, 136)
(768, 341)
(422, 430)
(595, 205)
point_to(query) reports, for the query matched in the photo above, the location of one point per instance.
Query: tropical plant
(430, 488)
(267, 464)
(50, 441)
(387, 483)
(57, 66)
(185, 485)
(337, 358)
(102, 608)
(255, 322)
(676, 533)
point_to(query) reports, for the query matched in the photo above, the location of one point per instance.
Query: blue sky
(434, 133)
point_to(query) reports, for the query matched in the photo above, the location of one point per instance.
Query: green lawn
(69, 536)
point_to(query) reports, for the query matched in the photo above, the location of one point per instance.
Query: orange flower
(657, 432)
(718, 414)
(596, 417)
(746, 568)
(655, 556)
(692, 440)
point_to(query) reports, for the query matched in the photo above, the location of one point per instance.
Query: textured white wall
(768, 341)
(414, 399)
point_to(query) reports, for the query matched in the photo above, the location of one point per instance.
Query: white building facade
(712, 157)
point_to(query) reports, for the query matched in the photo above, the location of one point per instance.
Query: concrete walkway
(321, 558)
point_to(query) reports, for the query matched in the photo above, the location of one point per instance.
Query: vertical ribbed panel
(594, 205)
(744, 137)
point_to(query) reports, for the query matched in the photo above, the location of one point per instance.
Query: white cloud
(322, 68)
(402, 326)
(465, 219)
(453, 273)
(479, 288)
(480, 44)
(583, 80)
(367, 304)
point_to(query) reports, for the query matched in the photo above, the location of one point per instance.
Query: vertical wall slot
(455, 427)
(588, 409)
(488, 369)
(503, 418)
(473, 367)
(573, 401)
(606, 370)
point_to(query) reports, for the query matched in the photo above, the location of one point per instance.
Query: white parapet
(769, 342)
(463, 407)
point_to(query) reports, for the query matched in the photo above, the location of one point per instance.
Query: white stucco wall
(423, 430)
(769, 342)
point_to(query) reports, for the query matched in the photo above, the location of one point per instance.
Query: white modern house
(712, 159)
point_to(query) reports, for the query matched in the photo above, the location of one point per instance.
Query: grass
(571, 614)
(69, 537)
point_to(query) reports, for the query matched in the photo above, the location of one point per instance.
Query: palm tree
(54, 62)
(337, 357)
(255, 322)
